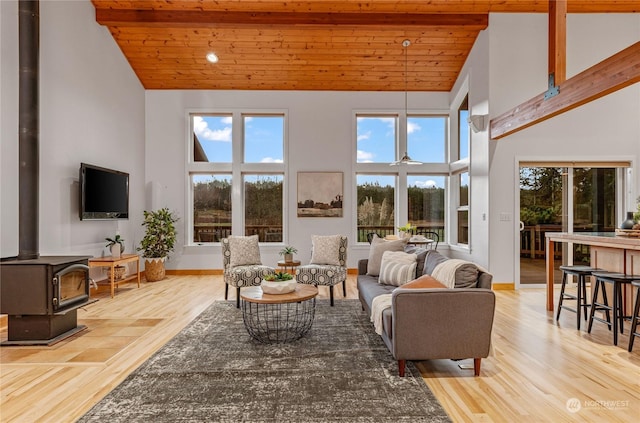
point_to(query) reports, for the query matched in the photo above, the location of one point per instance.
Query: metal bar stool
(635, 317)
(617, 280)
(581, 295)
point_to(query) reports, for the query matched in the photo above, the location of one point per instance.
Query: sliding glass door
(554, 199)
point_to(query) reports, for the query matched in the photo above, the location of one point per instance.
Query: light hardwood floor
(537, 368)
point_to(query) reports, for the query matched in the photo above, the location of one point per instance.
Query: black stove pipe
(29, 129)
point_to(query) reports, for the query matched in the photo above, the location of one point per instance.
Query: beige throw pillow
(378, 247)
(244, 250)
(397, 268)
(326, 249)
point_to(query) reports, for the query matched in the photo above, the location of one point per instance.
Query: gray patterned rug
(213, 371)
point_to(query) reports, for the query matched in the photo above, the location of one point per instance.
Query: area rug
(212, 371)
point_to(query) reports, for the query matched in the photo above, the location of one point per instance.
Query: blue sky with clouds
(376, 137)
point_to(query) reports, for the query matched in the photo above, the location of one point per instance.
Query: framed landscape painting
(320, 194)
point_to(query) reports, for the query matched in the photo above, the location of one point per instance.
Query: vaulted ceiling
(309, 45)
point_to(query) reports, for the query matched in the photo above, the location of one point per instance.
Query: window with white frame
(236, 148)
(426, 203)
(391, 196)
(463, 208)
(376, 138)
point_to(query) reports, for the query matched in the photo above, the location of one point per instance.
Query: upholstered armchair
(328, 263)
(242, 264)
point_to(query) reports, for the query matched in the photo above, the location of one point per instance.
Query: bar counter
(608, 252)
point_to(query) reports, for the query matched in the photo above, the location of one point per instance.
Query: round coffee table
(278, 318)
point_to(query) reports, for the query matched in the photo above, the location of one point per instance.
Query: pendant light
(405, 159)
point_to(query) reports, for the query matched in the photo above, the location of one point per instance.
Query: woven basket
(119, 272)
(154, 270)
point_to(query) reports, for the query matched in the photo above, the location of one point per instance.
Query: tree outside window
(376, 208)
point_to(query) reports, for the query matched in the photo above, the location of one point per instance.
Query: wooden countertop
(601, 239)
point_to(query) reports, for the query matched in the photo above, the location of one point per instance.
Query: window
(263, 139)
(463, 129)
(463, 208)
(212, 138)
(376, 205)
(426, 139)
(263, 207)
(211, 207)
(381, 140)
(376, 138)
(426, 203)
(215, 165)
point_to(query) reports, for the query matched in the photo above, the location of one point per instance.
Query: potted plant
(406, 230)
(288, 252)
(278, 283)
(158, 241)
(115, 245)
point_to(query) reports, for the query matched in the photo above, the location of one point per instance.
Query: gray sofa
(434, 322)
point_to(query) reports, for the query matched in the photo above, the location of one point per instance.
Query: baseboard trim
(193, 272)
(503, 286)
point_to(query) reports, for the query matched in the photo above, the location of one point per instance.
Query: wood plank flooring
(540, 370)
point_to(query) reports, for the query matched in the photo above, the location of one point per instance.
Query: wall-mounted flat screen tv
(104, 193)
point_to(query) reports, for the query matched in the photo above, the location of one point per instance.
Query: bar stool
(617, 280)
(635, 317)
(581, 295)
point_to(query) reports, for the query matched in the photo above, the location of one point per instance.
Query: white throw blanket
(378, 305)
(445, 272)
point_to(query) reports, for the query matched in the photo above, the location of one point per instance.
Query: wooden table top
(254, 294)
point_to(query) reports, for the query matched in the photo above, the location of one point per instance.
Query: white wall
(91, 110)
(321, 138)
(605, 129)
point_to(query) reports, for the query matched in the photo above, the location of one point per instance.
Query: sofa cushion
(421, 254)
(466, 275)
(244, 250)
(397, 268)
(424, 281)
(432, 259)
(369, 288)
(326, 249)
(378, 247)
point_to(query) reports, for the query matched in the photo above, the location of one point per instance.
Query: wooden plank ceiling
(308, 45)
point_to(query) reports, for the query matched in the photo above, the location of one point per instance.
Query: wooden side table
(112, 262)
(289, 265)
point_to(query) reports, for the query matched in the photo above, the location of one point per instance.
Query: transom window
(376, 138)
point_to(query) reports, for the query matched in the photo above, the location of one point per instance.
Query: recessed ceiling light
(212, 57)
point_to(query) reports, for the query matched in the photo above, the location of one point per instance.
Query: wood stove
(41, 297)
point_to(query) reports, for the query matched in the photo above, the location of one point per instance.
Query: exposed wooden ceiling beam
(614, 73)
(557, 41)
(199, 18)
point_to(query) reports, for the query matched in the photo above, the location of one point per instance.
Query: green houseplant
(278, 277)
(406, 230)
(288, 252)
(111, 244)
(278, 283)
(159, 240)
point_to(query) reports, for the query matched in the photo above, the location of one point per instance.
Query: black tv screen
(104, 193)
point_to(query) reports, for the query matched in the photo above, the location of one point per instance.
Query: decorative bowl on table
(278, 283)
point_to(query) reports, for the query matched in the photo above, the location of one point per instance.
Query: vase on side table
(116, 251)
(629, 222)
